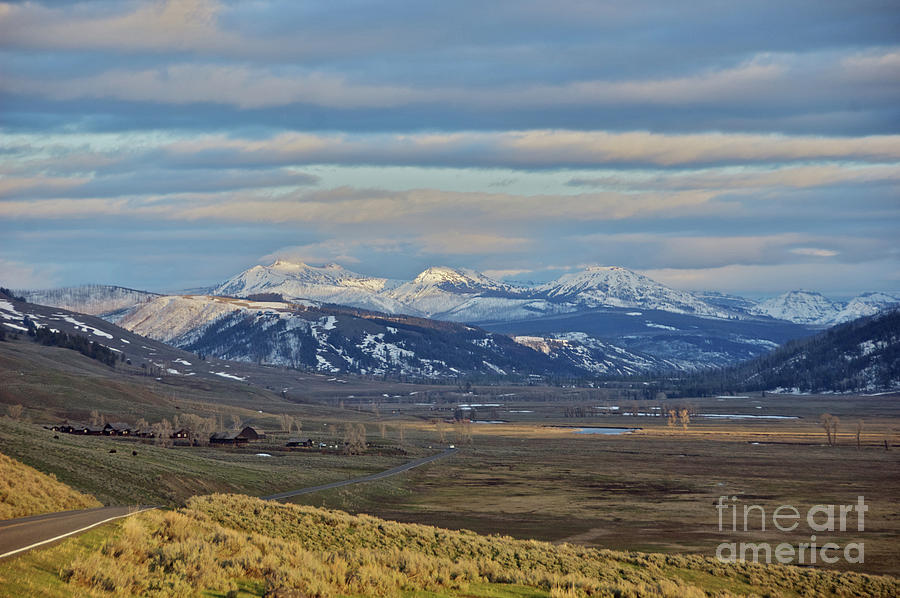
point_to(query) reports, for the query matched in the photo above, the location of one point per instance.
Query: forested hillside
(863, 355)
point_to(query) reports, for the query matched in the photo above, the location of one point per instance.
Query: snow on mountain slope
(867, 304)
(730, 302)
(336, 340)
(328, 284)
(801, 307)
(612, 286)
(440, 290)
(174, 319)
(92, 299)
(502, 309)
(594, 355)
(861, 355)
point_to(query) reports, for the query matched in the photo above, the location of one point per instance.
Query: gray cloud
(754, 144)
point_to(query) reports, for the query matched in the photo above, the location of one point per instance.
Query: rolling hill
(858, 356)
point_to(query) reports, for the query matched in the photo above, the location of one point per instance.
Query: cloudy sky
(745, 147)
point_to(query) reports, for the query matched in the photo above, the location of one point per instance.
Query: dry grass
(25, 491)
(221, 543)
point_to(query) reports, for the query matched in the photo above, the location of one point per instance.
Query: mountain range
(464, 295)
(602, 320)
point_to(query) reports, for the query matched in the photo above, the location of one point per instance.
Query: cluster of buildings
(240, 437)
(121, 429)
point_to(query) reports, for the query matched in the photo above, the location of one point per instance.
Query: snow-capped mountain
(440, 289)
(802, 307)
(612, 286)
(106, 301)
(329, 284)
(464, 295)
(867, 304)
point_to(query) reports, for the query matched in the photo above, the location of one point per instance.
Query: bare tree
(141, 425)
(440, 429)
(236, 422)
(672, 416)
(684, 417)
(829, 424)
(382, 428)
(15, 411)
(162, 431)
(287, 422)
(354, 439)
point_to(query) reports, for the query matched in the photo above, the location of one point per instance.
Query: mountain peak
(285, 264)
(440, 274)
(614, 286)
(800, 306)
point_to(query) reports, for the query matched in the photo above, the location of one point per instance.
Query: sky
(751, 148)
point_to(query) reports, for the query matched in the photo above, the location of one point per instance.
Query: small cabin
(183, 433)
(117, 429)
(251, 434)
(87, 430)
(228, 438)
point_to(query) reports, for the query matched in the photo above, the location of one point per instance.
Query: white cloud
(814, 252)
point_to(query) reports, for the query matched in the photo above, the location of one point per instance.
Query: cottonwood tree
(198, 427)
(672, 418)
(439, 424)
(236, 422)
(684, 417)
(15, 411)
(354, 439)
(162, 431)
(287, 422)
(829, 424)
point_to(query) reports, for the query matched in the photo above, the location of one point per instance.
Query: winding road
(21, 535)
(369, 478)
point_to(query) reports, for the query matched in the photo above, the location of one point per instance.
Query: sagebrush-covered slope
(222, 542)
(25, 491)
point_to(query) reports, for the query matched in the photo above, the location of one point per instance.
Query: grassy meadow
(170, 475)
(656, 489)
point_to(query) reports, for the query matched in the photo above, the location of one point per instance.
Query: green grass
(235, 545)
(36, 573)
(168, 476)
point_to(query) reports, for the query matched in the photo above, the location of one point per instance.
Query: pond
(605, 430)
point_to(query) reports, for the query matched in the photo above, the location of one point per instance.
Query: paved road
(20, 535)
(369, 478)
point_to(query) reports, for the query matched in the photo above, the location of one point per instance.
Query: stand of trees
(855, 356)
(77, 342)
